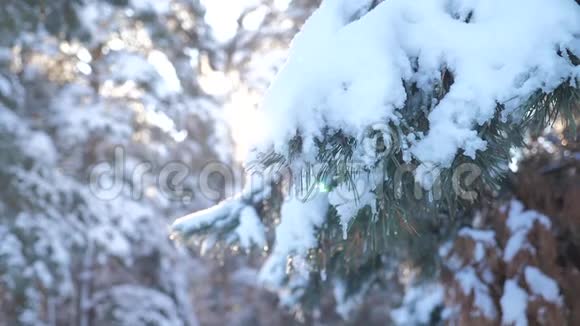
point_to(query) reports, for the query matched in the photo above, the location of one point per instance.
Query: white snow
(157, 6)
(418, 304)
(482, 239)
(298, 220)
(40, 147)
(251, 229)
(542, 285)
(5, 86)
(470, 282)
(165, 69)
(237, 211)
(517, 242)
(479, 252)
(513, 304)
(155, 70)
(219, 214)
(520, 222)
(519, 219)
(349, 199)
(346, 72)
(485, 236)
(222, 16)
(295, 234)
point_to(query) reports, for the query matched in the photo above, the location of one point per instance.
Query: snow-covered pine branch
(369, 88)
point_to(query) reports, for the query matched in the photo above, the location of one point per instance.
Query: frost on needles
(372, 86)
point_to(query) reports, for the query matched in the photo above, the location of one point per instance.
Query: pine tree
(389, 122)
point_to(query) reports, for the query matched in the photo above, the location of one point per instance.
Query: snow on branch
(234, 219)
(348, 70)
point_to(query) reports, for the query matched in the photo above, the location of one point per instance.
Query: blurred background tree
(109, 110)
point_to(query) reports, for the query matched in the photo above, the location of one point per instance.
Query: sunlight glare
(244, 120)
(222, 16)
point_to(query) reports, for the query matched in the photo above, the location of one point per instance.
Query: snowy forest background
(119, 116)
(101, 104)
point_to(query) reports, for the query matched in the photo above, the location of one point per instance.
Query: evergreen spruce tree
(389, 122)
